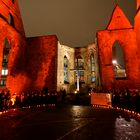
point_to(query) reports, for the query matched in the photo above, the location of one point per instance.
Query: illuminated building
(38, 62)
(120, 35)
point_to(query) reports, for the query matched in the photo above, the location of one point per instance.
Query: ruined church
(34, 63)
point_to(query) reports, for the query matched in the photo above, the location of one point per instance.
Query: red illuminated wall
(137, 30)
(14, 32)
(8, 7)
(32, 61)
(41, 67)
(16, 56)
(119, 29)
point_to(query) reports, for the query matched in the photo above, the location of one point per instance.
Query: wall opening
(11, 20)
(92, 65)
(66, 70)
(4, 71)
(79, 69)
(118, 61)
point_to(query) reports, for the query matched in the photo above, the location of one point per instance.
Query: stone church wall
(7, 7)
(137, 30)
(38, 62)
(64, 50)
(127, 40)
(16, 56)
(85, 53)
(119, 30)
(41, 62)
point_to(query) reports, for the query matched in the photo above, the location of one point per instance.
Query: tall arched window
(79, 62)
(4, 71)
(118, 61)
(92, 64)
(65, 70)
(11, 20)
(79, 67)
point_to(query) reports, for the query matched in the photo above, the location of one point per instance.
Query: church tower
(9, 11)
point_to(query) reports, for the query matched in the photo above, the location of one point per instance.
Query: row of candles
(27, 107)
(129, 112)
(132, 113)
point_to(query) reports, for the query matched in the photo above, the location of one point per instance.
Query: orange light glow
(13, 99)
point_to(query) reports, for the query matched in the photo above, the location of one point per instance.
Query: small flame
(13, 101)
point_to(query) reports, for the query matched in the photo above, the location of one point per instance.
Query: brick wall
(41, 66)
(118, 30)
(15, 80)
(127, 40)
(6, 8)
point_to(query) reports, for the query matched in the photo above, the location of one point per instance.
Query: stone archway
(118, 61)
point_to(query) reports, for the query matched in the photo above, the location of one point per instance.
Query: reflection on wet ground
(68, 122)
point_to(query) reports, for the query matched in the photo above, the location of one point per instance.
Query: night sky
(75, 22)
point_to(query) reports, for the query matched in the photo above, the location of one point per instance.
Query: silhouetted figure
(45, 90)
(127, 98)
(63, 95)
(137, 102)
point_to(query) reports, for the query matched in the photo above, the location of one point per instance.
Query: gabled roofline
(111, 15)
(116, 5)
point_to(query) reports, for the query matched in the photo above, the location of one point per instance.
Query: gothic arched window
(4, 71)
(118, 61)
(65, 70)
(11, 20)
(92, 64)
(79, 68)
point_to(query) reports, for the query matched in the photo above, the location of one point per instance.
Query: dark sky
(75, 22)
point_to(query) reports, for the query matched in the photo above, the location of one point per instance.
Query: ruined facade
(25, 62)
(120, 31)
(33, 63)
(78, 61)
(12, 46)
(39, 62)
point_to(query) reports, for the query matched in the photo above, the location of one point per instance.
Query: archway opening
(92, 64)
(11, 20)
(66, 70)
(4, 71)
(79, 67)
(118, 61)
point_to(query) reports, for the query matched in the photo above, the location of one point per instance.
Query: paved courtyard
(68, 122)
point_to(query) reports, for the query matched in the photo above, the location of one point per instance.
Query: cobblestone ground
(67, 122)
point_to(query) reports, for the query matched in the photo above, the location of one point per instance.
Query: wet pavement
(68, 122)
